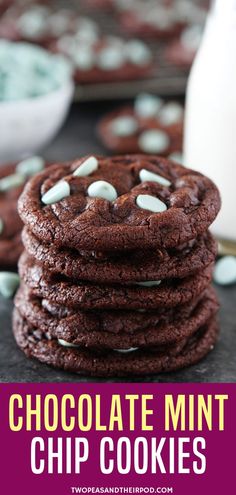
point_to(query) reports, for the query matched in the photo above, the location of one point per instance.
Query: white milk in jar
(210, 126)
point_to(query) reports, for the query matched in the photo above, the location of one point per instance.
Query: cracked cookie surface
(11, 186)
(36, 344)
(131, 143)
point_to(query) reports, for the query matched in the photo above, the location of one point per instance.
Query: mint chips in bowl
(36, 90)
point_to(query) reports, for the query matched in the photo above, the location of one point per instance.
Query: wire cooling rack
(165, 79)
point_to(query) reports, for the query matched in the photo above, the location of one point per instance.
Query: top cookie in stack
(116, 273)
(12, 180)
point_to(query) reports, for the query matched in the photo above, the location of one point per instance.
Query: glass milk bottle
(210, 126)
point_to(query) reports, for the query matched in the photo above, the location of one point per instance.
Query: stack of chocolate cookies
(117, 267)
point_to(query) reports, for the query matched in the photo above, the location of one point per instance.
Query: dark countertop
(78, 138)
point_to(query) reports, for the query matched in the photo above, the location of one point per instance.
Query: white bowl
(28, 125)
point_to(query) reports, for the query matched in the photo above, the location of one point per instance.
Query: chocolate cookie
(37, 23)
(121, 203)
(36, 344)
(164, 19)
(138, 265)
(106, 58)
(12, 181)
(150, 126)
(86, 295)
(176, 54)
(116, 329)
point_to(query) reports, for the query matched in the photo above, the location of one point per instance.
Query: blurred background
(121, 52)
